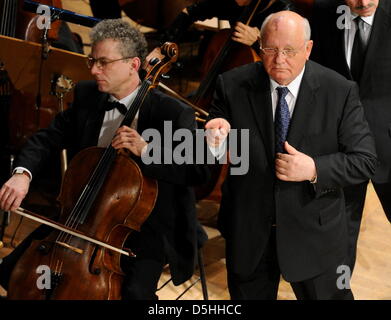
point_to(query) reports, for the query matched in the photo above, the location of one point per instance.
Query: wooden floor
(371, 279)
(372, 276)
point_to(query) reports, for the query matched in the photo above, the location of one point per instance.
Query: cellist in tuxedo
(169, 235)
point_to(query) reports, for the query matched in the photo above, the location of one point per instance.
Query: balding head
(282, 18)
(285, 45)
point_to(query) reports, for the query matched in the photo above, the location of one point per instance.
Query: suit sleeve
(356, 161)
(189, 173)
(45, 142)
(219, 106)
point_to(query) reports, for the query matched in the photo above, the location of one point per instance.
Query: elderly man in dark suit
(169, 235)
(308, 139)
(357, 44)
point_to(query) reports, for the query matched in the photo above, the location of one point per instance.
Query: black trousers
(263, 283)
(355, 200)
(141, 273)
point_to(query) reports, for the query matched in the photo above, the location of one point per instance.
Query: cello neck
(135, 106)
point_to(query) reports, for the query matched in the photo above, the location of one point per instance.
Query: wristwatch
(314, 179)
(22, 171)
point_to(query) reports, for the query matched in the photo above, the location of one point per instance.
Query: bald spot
(286, 21)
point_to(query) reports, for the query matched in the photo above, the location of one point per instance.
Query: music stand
(22, 61)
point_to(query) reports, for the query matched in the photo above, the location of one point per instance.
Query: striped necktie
(281, 119)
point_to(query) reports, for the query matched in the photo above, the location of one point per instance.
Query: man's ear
(308, 48)
(135, 63)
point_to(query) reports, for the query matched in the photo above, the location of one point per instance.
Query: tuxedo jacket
(328, 124)
(173, 217)
(374, 84)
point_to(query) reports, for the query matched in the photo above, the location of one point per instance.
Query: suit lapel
(144, 112)
(380, 28)
(261, 105)
(304, 107)
(95, 120)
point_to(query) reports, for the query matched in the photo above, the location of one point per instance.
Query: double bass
(104, 197)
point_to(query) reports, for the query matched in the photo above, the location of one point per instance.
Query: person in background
(356, 44)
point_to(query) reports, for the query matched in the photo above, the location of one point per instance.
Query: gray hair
(131, 42)
(306, 26)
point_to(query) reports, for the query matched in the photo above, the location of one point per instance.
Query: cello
(104, 197)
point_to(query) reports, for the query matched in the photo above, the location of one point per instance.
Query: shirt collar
(128, 99)
(368, 19)
(293, 86)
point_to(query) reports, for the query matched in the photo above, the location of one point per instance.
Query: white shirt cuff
(24, 169)
(219, 151)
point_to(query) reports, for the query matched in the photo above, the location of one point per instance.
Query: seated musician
(169, 235)
(226, 10)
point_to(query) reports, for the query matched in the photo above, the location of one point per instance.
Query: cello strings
(5, 15)
(103, 164)
(96, 177)
(74, 219)
(9, 14)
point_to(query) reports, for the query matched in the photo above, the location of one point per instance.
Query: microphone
(62, 14)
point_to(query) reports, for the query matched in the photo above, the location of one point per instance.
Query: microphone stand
(44, 56)
(62, 14)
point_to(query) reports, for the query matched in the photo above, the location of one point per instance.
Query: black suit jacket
(375, 93)
(173, 218)
(328, 124)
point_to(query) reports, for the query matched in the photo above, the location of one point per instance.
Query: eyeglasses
(102, 62)
(286, 52)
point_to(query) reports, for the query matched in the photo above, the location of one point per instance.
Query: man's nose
(364, 3)
(95, 70)
(279, 57)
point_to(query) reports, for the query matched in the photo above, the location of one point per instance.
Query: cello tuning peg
(154, 61)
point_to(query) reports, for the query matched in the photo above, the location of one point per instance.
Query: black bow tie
(110, 105)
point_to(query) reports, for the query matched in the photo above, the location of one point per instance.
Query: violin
(104, 197)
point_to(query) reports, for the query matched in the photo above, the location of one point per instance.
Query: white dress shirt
(291, 97)
(111, 123)
(351, 32)
(113, 119)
